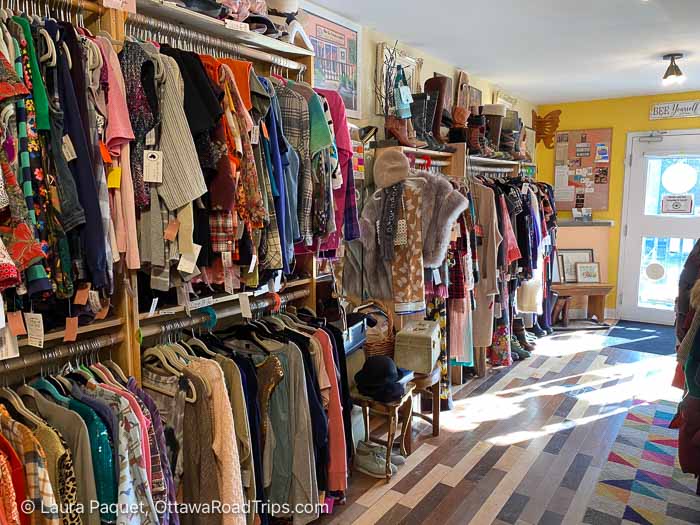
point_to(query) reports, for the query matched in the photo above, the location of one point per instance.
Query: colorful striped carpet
(642, 481)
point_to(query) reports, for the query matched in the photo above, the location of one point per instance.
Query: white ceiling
(546, 50)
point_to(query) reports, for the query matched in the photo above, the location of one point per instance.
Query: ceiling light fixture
(673, 75)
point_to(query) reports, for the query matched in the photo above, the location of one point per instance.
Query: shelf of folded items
(173, 13)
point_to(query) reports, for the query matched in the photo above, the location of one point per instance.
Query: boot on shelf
(398, 128)
(431, 106)
(420, 117)
(438, 89)
(476, 125)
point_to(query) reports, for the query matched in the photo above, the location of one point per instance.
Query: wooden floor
(523, 446)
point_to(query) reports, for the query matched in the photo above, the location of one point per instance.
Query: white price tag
(151, 138)
(244, 301)
(154, 305)
(153, 166)
(35, 329)
(2, 312)
(255, 135)
(253, 262)
(188, 261)
(68, 149)
(436, 276)
(525, 188)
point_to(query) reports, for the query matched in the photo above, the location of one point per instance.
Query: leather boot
(398, 128)
(419, 112)
(475, 125)
(519, 332)
(437, 85)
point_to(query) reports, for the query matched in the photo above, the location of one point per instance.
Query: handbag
(402, 94)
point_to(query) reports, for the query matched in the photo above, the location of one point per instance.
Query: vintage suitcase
(417, 346)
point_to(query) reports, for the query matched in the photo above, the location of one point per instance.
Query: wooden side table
(594, 292)
(429, 384)
(393, 411)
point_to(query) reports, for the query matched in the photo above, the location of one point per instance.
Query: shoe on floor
(396, 459)
(372, 464)
(516, 348)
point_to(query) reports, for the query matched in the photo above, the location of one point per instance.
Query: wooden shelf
(170, 12)
(57, 335)
(484, 161)
(297, 282)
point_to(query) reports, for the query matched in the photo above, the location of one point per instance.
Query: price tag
(114, 177)
(68, 149)
(35, 329)
(102, 313)
(154, 305)
(182, 296)
(151, 137)
(199, 303)
(255, 135)
(229, 278)
(244, 301)
(525, 188)
(171, 230)
(71, 332)
(2, 313)
(188, 261)
(278, 282)
(253, 262)
(153, 166)
(82, 294)
(240, 230)
(436, 276)
(264, 131)
(16, 323)
(94, 300)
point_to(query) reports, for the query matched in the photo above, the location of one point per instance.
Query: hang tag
(154, 305)
(153, 166)
(94, 301)
(171, 230)
(106, 155)
(525, 188)
(16, 323)
(182, 296)
(436, 276)
(275, 285)
(188, 261)
(82, 294)
(253, 262)
(255, 135)
(244, 300)
(497, 310)
(35, 329)
(151, 137)
(240, 231)
(102, 314)
(479, 230)
(71, 331)
(2, 313)
(228, 272)
(264, 130)
(114, 177)
(68, 149)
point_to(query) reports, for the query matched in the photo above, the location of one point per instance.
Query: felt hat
(380, 379)
(391, 167)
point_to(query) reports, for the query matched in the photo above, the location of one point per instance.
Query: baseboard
(581, 313)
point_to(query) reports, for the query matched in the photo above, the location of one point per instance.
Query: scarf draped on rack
(386, 228)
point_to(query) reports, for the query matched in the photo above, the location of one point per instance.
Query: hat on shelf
(391, 167)
(380, 379)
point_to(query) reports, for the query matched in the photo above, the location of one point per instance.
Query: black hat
(380, 379)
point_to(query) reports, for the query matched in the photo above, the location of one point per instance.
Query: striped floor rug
(642, 481)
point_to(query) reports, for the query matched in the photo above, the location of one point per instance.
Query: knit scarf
(386, 232)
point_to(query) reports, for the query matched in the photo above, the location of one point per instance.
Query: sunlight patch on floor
(575, 342)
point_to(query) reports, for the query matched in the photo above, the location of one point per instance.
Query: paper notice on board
(564, 194)
(561, 177)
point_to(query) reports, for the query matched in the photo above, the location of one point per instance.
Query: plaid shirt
(297, 130)
(38, 487)
(221, 231)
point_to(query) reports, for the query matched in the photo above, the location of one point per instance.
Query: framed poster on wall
(336, 42)
(582, 168)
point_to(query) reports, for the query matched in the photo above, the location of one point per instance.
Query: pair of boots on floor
(523, 341)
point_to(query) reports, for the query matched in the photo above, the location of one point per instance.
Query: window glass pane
(669, 176)
(661, 265)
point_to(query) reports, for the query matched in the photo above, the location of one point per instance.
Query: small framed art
(588, 272)
(569, 258)
(556, 270)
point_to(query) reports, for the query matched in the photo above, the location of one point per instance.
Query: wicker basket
(385, 345)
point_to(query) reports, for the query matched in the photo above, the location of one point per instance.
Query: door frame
(624, 223)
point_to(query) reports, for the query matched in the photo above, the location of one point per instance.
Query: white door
(661, 223)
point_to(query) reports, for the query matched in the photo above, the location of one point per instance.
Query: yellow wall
(370, 39)
(623, 115)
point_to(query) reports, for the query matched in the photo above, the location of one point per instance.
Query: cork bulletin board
(582, 169)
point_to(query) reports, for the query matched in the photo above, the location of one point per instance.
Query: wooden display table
(595, 292)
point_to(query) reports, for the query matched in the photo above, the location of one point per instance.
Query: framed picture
(474, 96)
(336, 42)
(569, 258)
(588, 272)
(411, 67)
(500, 97)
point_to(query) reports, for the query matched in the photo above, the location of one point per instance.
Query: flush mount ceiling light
(673, 75)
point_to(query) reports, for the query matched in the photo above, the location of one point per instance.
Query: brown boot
(398, 128)
(519, 332)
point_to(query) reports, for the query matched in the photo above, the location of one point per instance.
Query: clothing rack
(264, 303)
(178, 35)
(50, 355)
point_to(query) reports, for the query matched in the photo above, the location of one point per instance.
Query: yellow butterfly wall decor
(546, 127)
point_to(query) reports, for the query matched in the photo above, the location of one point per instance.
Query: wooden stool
(561, 308)
(429, 384)
(392, 411)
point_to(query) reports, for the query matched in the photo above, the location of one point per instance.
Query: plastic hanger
(42, 385)
(17, 403)
(117, 371)
(50, 55)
